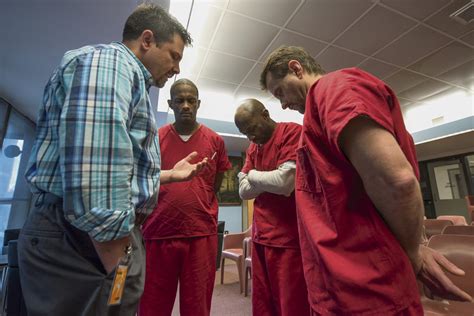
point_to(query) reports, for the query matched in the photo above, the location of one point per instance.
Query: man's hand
(111, 251)
(247, 190)
(429, 267)
(183, 170)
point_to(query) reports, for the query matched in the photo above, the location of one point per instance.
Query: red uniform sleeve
(223, 164)
(249, 159)
(350, 94)
(289, 143)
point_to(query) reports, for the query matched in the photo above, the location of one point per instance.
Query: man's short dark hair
(277, 63)
(154, 18)
(182, 81)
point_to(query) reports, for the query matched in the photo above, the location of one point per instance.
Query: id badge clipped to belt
(116, 291)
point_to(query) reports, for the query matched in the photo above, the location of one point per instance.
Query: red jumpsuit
(278, 286)
(181, 233)
(352, 262)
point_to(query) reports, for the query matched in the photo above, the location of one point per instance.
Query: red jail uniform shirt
(353, 264)
(187, 209)
(274, 217)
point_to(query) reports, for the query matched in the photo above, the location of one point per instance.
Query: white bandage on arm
(247, 191)
(279, 181)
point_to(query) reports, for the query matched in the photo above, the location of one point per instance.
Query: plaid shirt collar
(146, 74)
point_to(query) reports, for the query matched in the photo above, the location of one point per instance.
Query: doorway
(448, 186)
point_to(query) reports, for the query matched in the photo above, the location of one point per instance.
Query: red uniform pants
(278, 285)
(189, 261)
(415, 309)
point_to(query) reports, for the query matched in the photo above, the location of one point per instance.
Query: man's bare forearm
(400, 204)
(166, 176)
(388, 179)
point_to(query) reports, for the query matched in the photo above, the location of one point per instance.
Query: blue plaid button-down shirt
(96, 144)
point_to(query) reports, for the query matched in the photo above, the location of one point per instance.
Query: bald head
(253, 120)
(248, 109)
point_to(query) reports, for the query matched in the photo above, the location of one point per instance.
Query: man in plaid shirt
(95, 169)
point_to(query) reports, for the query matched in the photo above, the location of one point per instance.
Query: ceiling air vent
(464, 15)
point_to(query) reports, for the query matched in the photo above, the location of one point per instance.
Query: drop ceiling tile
(403, 80)
(462, 75)
(418, 9)
(424, 90)
(413, 46)
(380, 26)
(444, 59)
(253, 80)
(216, 99)
(192, 77)
(271, 11)
(469, 38)
(246, 93)
(460, 96)
(193, 57)
(206, 84)
(312, 46)
(404, 102)
(443, 22)
(279, 115)
(225, 68)
(178, 9)
(242, 36)
(335, 58)
(274, 101)
(325, 19)
(377, 68)
(204, 20)
(216, 3)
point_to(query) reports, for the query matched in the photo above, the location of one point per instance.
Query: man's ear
(147, 40)
(170, 104)
(199, 104)
(295, 67)
(265, 114)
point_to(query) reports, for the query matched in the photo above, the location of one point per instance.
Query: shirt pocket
(306, 176)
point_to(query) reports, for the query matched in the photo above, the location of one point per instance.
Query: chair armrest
(247, 247)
